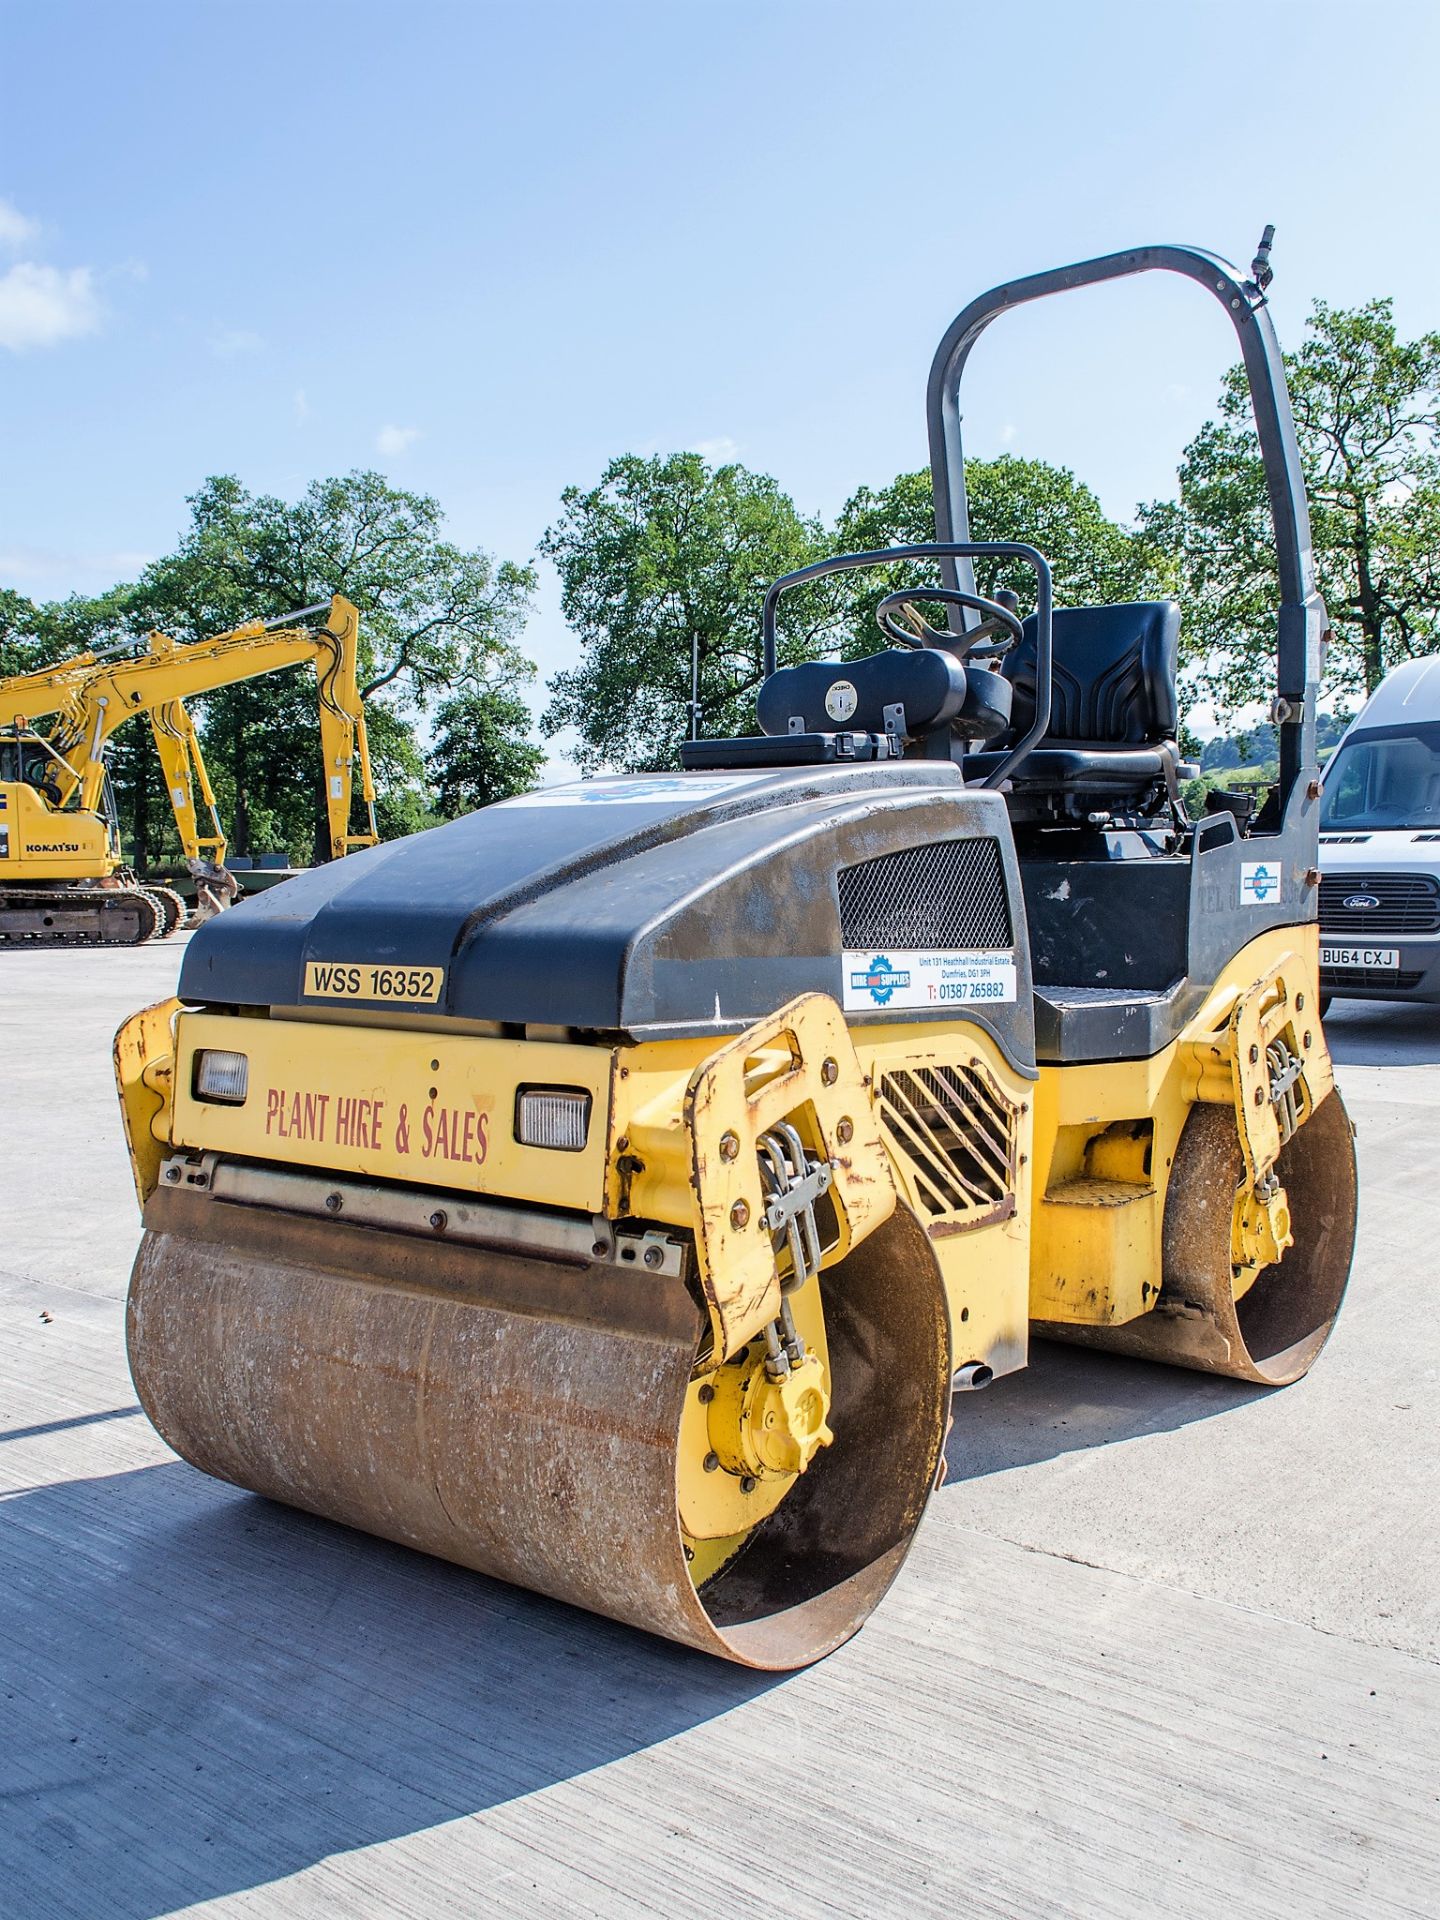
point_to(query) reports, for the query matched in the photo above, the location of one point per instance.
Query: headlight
(221, 1077)
(553, 1117)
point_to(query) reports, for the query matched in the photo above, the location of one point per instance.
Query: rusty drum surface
(520, 1415)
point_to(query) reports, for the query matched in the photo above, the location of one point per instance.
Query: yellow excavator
(63, 877)
(610, 1189)
(27, 757)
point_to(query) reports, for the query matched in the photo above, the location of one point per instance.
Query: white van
(1380, 846)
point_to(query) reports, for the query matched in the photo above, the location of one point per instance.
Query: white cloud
(302, 404)
(718, 452)
(15, 229)
(231, 341)
(40, 305)
(1007, 433)
(392, 441)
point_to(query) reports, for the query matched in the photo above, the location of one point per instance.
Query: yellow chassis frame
(675, 1125)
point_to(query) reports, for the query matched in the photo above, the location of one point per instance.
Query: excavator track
(523, 1415)
(79, 916)
(172, 907)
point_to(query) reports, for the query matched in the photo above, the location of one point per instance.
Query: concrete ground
(1166, 1645)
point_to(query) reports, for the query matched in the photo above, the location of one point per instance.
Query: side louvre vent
(951, 895)
(956, 1131)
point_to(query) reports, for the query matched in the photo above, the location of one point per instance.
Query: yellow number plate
(349, 980)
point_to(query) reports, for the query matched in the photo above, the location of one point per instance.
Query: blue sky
(486, 247)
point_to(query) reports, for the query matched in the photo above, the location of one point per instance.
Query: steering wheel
(999, 629)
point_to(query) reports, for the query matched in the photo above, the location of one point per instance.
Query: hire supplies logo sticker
(1259, 883)
(871, 980)
(879, 980)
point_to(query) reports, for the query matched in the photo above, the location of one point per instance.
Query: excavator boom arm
(28, 697)
(178, 747)
(102, 699)
(344, 742)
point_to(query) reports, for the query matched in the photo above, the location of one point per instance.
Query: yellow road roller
(610, 1190)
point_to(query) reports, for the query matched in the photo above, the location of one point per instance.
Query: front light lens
(557, 1117)
(221, 1077)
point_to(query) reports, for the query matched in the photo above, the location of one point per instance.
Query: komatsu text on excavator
(63, 877)
(609, 1190)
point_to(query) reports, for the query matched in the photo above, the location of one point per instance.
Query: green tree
(1367, 418)
(402, 793)
(1092, 558)
(480, 752)
(436, 621)
(22, 648)
(663, 554)
(434, 618)
(432, 612)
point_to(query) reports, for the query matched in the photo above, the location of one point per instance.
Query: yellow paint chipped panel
(431, 1109)
(800, 1066)
(983, 1252)
(144, 1058)
(1102, 1127)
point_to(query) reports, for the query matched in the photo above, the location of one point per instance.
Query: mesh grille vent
(947, 896)
(957, 1131)
(1406, 903)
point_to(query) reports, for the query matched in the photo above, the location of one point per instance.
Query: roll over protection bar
(1301, 623)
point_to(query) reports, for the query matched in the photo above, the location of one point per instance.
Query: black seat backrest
(853, 694)
(1114, 683)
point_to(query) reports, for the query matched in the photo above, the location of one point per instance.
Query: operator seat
(825, 710)
(1111, 742)
(909, 691)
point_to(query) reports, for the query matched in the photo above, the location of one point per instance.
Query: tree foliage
(437, 623)
(1367, 419)
(22, 647)
(664, 553)
(403, 800)
(433, 618)
(1093, 559)
(433, 615)
(480, 752)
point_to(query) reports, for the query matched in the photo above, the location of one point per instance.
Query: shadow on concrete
(1070, 1399)
(64, 1426)
(203, 1692)
(1375, 1033)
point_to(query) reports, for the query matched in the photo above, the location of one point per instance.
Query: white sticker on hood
(872, 979)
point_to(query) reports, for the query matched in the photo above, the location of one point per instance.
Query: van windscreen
(1389, 777)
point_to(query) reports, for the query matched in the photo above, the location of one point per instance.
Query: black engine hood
(642, 905)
